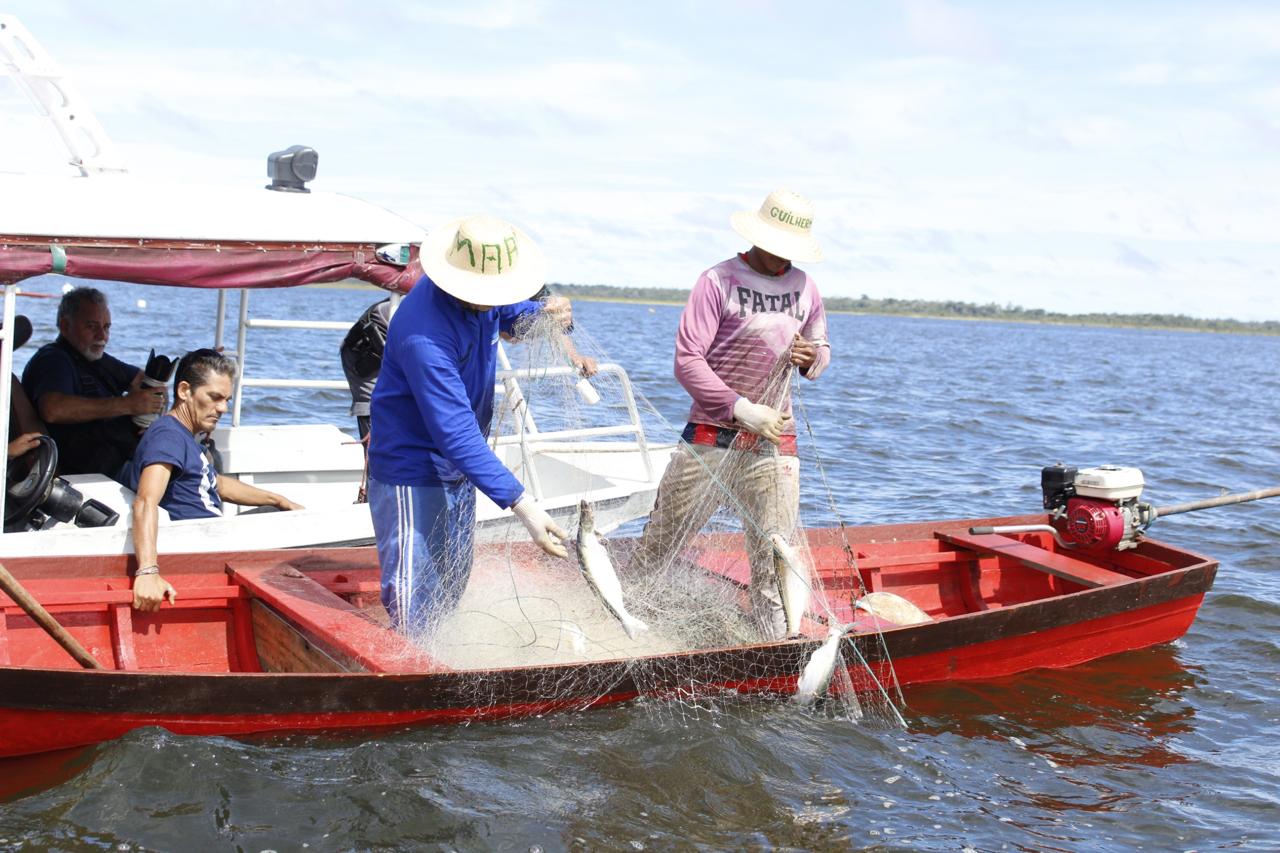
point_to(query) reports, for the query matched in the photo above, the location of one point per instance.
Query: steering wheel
(28, 493)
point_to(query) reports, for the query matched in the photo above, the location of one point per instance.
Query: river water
(1173, 748)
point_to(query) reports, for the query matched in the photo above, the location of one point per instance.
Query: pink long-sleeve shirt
(735, 335)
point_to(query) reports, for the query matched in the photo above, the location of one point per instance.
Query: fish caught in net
(715, 596)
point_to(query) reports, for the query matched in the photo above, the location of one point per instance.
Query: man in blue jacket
(431, 410)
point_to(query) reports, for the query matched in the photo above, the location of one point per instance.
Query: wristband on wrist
(153, 569)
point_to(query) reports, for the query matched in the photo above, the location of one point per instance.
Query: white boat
(105, 224)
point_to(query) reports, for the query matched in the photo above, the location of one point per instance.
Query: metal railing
(242, 331)
(529, 440)
(527, 435)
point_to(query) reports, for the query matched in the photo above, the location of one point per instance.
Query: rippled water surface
(1172, 748)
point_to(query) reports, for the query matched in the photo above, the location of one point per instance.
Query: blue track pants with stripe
(425, 546)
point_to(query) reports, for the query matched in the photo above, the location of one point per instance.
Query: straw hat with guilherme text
(484, 261)
(782, 226)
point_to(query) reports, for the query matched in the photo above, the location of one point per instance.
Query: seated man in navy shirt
(171, 470)
(86, 397)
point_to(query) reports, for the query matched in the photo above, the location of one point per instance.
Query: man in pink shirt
(748, 322)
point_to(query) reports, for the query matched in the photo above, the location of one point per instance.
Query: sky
(1072, 156)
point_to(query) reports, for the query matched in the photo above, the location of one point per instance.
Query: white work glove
(541, 527)
(764, 421)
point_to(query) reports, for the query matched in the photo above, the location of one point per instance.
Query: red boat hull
(1040, 623)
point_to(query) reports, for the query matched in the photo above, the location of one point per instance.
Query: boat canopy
(119, 228)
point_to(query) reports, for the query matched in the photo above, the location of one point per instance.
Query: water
(1173, 748)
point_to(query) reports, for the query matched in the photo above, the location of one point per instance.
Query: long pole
(45, 620)
(1222, 500)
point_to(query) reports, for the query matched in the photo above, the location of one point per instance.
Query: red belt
(717, 436)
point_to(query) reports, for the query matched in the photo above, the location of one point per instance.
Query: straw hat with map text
(484, 261)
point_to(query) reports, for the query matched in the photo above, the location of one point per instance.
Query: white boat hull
(611, 476)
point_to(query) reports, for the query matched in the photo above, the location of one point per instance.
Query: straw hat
(484, 261)
(782, 226)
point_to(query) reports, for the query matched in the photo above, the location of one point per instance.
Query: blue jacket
(434, 398)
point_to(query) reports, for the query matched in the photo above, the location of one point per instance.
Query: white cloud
(1146, 74)
(953, 151)
(948, 28)
(491, 15)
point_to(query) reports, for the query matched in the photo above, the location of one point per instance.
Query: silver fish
(816, 675)
(793, 582)
(892, 609)
(597, 568)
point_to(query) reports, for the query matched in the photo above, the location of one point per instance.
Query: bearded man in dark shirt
(86, 397)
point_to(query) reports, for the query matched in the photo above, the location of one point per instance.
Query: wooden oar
(45, 620)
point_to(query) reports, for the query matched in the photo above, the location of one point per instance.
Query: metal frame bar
(333, 325)
(506, 384)
(241, 334)
(220, 326)
(43, 81)
(335, 384)
(628, 395)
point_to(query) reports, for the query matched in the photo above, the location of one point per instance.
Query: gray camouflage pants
(762, 489)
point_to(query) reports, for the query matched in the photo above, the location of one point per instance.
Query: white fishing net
(723, 559)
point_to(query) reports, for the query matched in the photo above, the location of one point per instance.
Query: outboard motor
(1098, 508)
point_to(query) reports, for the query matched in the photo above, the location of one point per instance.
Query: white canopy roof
(122, 206)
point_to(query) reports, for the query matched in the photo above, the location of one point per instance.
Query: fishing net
(711, 575)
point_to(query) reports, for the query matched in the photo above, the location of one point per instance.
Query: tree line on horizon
(948, 309)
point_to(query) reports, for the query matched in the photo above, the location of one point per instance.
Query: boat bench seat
(329, 621)
(1060, 565)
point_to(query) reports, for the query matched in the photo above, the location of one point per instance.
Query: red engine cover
(1093, 523)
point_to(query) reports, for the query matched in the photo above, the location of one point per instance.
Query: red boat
(291, 640)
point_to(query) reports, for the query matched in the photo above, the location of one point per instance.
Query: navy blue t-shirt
(193, 485)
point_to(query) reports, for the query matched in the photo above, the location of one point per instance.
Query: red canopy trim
(205, 265)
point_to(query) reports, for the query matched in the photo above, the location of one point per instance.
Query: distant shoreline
(924, 310)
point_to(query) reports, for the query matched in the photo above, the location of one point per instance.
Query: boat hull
(47, 708)
(415, 700)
